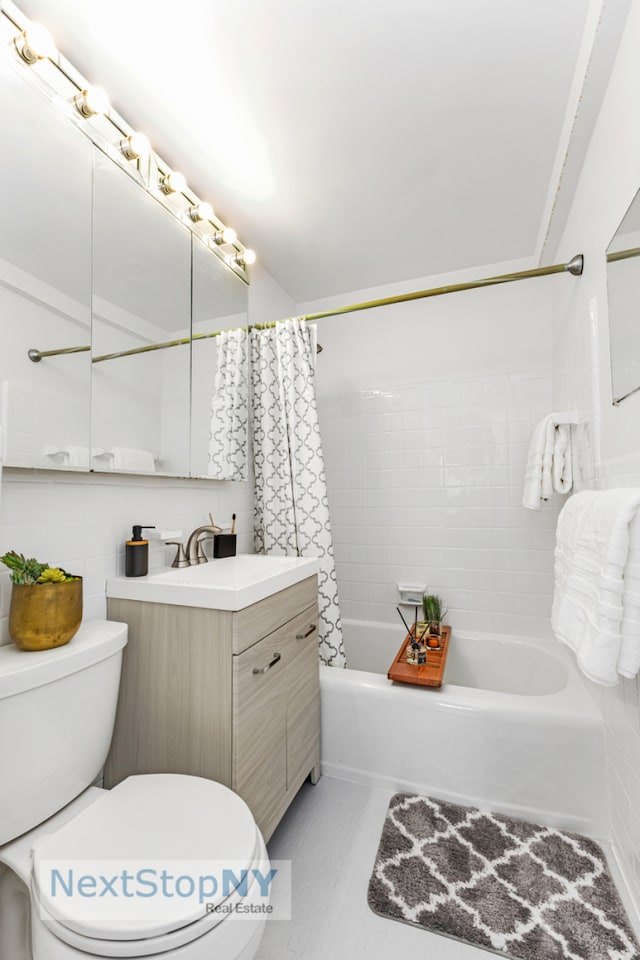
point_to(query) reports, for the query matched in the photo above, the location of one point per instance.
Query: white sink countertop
(231, 583)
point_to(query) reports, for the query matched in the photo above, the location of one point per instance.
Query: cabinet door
(174, 704)
(260, 728)
(303, 698)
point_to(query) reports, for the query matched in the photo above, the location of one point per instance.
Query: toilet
(81, 867)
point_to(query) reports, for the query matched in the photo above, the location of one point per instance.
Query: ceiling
(351, 143)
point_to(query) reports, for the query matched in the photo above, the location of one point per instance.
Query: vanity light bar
(33, 44)
(201, 211)
(173, 182)
(135, 146)
(228, 235)
(92, 102)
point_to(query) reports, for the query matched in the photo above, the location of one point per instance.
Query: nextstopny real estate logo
(145, 890)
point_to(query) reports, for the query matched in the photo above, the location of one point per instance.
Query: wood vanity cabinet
(233, 697)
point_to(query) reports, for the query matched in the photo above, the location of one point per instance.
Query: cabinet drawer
(262, 618)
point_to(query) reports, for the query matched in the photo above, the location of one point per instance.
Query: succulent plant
(30, 571)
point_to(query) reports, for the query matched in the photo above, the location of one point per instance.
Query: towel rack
(569, 418)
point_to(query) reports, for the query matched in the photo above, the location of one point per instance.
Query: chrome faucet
(195, 541)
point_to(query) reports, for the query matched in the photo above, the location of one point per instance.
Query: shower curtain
(291, 506)
(229, 424)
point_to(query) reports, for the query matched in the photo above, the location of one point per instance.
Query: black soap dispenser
(136, 553)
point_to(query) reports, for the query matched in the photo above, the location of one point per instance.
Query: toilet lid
(147, 858)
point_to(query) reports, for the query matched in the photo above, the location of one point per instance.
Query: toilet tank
(57, 710)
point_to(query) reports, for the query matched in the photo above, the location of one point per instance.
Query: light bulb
(247, 257)
(173, 182)
(35, 43)
(227, 235)
(92, 101)
(135, 146)
(201, 211)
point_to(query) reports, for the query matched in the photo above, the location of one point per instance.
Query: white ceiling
(351, 143)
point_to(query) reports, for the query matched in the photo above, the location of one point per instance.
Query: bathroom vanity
(218, 687)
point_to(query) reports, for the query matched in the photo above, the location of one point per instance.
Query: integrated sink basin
(228, 584)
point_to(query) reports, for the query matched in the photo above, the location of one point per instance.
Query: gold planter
(45, 615)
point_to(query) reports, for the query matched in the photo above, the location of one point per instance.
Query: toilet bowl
(161, 865)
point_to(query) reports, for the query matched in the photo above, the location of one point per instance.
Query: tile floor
(330, 834)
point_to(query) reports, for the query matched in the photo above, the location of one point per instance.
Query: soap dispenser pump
(136, 552)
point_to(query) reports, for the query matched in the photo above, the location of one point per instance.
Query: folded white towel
(77, 456)
(597, 588)
(549, 464)
(134, 460)
(72, 456)
(629, 658)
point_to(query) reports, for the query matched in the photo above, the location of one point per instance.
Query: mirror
(141, 297)
(91, 262)
(219, 302)
(45, 281)
(623, 294)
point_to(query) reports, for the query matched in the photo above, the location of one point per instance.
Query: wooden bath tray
(426, 675)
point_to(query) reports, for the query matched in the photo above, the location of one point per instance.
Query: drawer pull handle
(276, 658)
(303, 636)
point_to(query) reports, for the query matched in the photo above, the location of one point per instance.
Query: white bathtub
(512, 729)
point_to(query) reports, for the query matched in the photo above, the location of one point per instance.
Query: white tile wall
(425, 488)
(81, 522)
(576, 387)
(621, 710)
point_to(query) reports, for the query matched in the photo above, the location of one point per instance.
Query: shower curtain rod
(623, 254)
(574, 267)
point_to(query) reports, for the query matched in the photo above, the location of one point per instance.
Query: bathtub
(512, 729)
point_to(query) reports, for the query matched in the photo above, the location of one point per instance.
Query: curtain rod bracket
(575, 265)
(37, 355)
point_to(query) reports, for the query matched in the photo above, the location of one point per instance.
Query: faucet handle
(180, 559)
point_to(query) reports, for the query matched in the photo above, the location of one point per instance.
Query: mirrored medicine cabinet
(93, 264)
(623, 296)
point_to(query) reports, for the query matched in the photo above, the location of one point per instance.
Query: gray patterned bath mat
(517, 888)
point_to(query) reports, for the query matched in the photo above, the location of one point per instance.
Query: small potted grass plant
(46, 603)
(434, 614)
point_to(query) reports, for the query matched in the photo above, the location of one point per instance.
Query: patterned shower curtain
(228, 433)
(291, 506)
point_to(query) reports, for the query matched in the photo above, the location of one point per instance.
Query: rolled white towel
(562, 467)
(549, 466)
(538, 479)
(78, 456)
(533, 473)
(130, 458)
